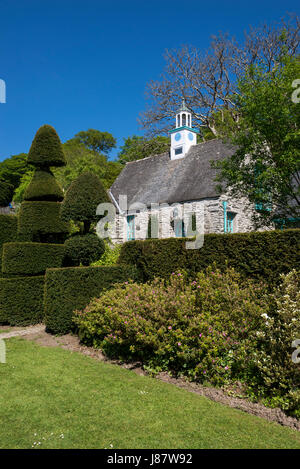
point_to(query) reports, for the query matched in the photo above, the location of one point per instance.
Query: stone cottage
(174, 194)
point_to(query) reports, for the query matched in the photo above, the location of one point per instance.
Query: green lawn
(67, 400)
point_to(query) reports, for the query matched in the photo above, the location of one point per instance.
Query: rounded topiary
(6, 193)
(44, 186)
(82, 199)
(46, 149)
(83, 249)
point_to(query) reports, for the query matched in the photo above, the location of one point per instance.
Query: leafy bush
(275, 376)
(198, 328)
(72, 288)
(21, 300)
(110, 256)
(31, 258)
(258, 255)
(83, 249)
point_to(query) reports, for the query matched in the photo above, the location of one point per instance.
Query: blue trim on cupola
(185, 127)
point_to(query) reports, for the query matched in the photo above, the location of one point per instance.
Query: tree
(137, 148)
(208, 80)
(81, 159)
(12, 169)
(95, 140)
(79, 206)
(82, 199)
(266, 165)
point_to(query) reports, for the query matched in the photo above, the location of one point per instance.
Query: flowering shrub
(275, 376)
(200, 328)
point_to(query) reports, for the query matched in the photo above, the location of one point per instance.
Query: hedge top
(82, 199)
(46, 149)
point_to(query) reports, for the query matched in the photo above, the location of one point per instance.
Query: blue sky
(85, 64)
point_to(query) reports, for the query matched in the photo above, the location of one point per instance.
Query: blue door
(179, 228)
(230, 219)
(130, 228)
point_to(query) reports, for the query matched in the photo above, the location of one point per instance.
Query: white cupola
(183, 136)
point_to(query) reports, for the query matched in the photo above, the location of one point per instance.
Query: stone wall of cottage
(209, 214)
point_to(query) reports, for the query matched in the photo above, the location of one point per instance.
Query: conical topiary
(41, 234)
(39, 218)
(82, 199)
(46, 149)
(80, 205)
(44, 186)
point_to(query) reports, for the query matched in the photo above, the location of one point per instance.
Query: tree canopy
(12, 169)
(208, 79)
(266, 165)
(137, 148)
(99, 142)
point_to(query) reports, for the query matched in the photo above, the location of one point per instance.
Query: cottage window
(178, 151)
(130, 228)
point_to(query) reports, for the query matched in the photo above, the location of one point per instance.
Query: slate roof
(158, 179)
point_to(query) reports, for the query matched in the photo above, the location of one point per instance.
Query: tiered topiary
(41, 233)
(80, 206)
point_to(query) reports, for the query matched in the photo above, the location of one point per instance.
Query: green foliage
(137, 148)
(21, 300)
(219, 328)
(258, 255)
(275, 377)
(72, 288)
(12, 169)
(110, 255)
(46, 149)
(266, 164)
(95, 140)
(24, 183)
(41, 222)
(198, 328)
(80, 160)
(83, 249)
(31, 258)
(6, 193)
(82, 199)
(8, 231)
(43, 186)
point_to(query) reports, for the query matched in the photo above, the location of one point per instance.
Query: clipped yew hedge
(43, 186)
(70, 289)
(21, 300)
(40, 222)
(259, 255)
(8, 231)
(31, 258)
